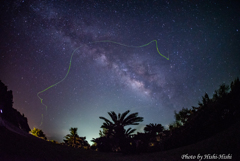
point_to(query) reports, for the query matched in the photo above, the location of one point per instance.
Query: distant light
(1, 111)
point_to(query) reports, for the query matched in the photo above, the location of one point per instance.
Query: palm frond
(130, 130)
(119, 116)
(107, 125)
(113, 115)
(132, 119)
(123, 115)
(106, 120)
(129, 117)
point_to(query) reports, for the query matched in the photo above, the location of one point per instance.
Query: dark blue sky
(38, 38)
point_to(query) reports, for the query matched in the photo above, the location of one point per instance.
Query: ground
(16, 147)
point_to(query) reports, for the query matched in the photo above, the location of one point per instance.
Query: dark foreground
(15, 147)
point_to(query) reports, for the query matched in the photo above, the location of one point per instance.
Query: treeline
(211, 116)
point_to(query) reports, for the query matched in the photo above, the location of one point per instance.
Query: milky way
(200, 38)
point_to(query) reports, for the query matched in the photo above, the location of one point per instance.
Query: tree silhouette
(215, 96)
(210, 117)
(128, 132)
(182, 116)
(223, 90)
(235, 86)
(74, 140)
(119, 122)
(102, 144)
(38, 133)
(153, 135)
(103, 133)
(205, 99)
(116, 127)
(153, 129)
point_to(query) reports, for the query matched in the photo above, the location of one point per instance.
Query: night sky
(201, 39)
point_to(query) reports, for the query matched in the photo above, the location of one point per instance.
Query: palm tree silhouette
(119, 121)
(128, 132)
(72, 138)
(116, 126)
(153, 129)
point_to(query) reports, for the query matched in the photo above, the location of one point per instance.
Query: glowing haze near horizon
(38, 37)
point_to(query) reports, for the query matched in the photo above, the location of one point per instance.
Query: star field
(201, 39)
